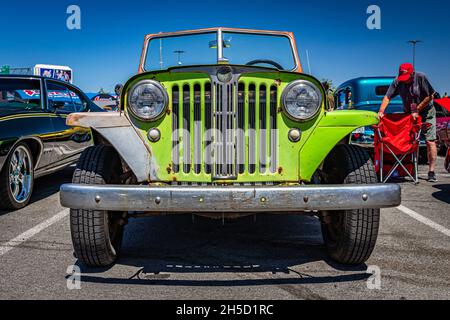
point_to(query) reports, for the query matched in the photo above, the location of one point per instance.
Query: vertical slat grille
(208, 128)
(230, 133)
(197, 130)
(224, 129)
(273, 130)
(186, 129)
(240, 138)
(218, 133)
(225, 133)
(262, 128)
(175, 129)
(252, 128)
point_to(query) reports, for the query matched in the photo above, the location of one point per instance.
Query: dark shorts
(429, 116)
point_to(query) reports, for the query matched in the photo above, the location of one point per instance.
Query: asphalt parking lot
(270, 257)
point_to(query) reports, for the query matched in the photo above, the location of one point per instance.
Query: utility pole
(414, 44)
(179, 52)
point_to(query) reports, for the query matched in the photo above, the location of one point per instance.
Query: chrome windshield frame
(219, 36)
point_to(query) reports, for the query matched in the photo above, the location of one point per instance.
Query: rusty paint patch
(169, 168)
(277, 82)
(168, 111)
(280, 170)
(174, 179)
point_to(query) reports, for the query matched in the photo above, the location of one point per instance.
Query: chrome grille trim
(225, 129)
(225, 115)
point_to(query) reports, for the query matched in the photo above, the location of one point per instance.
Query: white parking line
(17, 241)
(424, 220)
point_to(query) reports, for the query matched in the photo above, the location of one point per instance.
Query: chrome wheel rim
(20, 174)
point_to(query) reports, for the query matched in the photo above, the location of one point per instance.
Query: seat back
(396, 134)
(399, 132)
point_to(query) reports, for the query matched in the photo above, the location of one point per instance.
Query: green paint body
(297, 161)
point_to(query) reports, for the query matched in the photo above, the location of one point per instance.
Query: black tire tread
(360, 227)
(89, 228)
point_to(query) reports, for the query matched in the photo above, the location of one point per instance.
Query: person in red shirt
(417, 94)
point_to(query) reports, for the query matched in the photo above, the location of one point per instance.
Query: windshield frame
(219, 36)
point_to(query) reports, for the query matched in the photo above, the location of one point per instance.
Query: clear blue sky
(107, 48)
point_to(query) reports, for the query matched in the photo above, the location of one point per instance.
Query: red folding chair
(397, 139)
(444, 103)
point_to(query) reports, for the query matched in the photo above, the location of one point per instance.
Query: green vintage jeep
(223, 123)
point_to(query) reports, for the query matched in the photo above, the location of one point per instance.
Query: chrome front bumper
(178, 199)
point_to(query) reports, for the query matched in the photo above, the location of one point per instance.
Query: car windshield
(20, 95)
(274, 51)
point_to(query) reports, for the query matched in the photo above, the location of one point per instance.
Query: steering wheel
(271, 62)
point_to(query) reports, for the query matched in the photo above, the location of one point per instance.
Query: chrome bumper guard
(178, 199)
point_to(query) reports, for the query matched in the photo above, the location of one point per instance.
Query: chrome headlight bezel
(132, 108)
(290, 87)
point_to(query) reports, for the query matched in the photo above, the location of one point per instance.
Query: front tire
(97, 235)
(350, 235)
(17, 178)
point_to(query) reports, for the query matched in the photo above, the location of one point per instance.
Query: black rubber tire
(352, 234)
(97, 235)
(7, 201)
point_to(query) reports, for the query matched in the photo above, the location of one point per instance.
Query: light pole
(414, 43)
(309, 64)
(179, 52)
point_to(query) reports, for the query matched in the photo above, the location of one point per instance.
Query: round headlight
(147, 100)
(301, 100)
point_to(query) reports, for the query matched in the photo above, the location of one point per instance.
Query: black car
(34, 137)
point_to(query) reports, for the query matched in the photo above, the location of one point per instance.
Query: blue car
(367, 93)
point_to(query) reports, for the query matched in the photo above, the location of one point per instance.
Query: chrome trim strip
(219, 46)
(224, 144)
(229, 198)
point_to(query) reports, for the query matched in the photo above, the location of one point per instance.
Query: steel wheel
(21, 174)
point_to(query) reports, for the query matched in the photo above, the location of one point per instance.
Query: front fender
(115, 128)
(333, 128)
